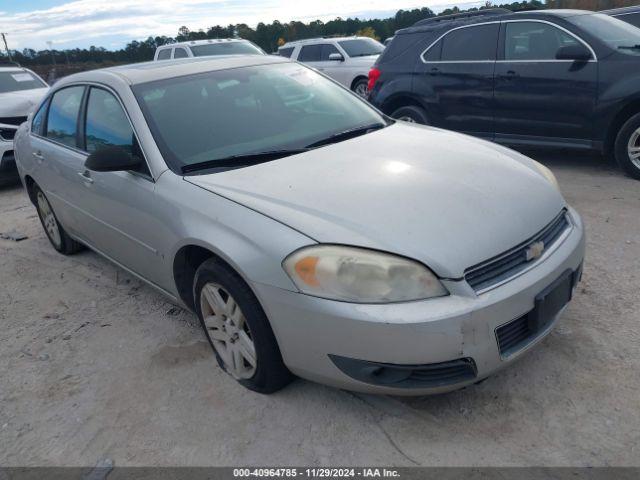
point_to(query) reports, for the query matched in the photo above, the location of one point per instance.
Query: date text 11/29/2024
(315, 472)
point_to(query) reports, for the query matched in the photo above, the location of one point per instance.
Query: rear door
(455, 79)
(538, 99)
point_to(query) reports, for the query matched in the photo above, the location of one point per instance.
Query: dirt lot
(94, 364)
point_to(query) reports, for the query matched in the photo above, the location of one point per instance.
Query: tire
(411, 114)
(361, 87)
(240, 316)
(58, 237)
(627, 147)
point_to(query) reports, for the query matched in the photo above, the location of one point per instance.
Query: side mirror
(578, 53)
(336, 57)
(112, 159)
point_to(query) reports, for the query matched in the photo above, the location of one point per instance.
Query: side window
(164, 54)
(328, 49)
(106, 123)
(63, 115)
(37, 124)
(310, 53)
(534, 41)
(471, 43)
(285, 52)
(433, 54)
(180, 53)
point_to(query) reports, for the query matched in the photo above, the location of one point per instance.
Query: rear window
(310, 53)
(13, 81)
(225, 48)
(164, 54)
(361, 47)
(471, 43)
(180, 53)
(285, 52)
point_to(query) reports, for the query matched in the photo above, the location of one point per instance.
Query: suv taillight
(374, 74)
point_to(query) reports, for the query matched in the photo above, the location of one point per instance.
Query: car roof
(192, 43)
(305, 41)
(451, 21)
(150, 71)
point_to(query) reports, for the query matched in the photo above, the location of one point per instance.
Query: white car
(347, 59)
(20, 91)
(208, 48)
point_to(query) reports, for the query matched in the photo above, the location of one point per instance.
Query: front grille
(513, 335)
(510, 263)
(408, 376)
(446, 373)
(13, 120)
(7, 133)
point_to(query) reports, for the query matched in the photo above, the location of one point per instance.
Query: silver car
(311, 235)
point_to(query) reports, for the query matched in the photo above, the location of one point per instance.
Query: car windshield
(13, 81)
(238, 112)
(361, 47)
(615, 33)
(225, 48)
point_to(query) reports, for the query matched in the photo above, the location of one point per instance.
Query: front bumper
(311, 331)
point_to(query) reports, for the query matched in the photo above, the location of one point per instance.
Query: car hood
(20, 103)
(446, 199)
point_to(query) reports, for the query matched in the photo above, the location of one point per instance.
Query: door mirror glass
(112, 159)
(573, 52)
(336, 57)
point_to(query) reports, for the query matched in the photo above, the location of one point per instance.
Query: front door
(539, 99)
(455, 79)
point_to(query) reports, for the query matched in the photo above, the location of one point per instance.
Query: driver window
(534, 41)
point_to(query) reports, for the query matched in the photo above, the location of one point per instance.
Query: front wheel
(411, 114)
(238, 329)
(627, 147)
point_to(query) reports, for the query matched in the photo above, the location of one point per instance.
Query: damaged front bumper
(414, 348)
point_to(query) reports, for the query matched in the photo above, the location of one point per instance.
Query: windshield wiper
(241, 160)
(347, 134)
(629, 47)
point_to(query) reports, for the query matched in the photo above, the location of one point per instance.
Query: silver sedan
(311, 235)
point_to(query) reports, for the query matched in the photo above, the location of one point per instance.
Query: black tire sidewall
(621, 143)
(63, 235)
(271, 373)
(414, 112)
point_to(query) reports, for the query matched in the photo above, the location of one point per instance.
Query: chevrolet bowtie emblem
(534, 251)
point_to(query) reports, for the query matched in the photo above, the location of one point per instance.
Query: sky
(113, 23)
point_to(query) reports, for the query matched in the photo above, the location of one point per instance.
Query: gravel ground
(95, 364)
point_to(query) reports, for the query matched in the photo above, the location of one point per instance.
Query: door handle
(86, 176)
(510, 74)
(39, 156)
(434, 71)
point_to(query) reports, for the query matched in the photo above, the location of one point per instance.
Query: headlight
(548, 174)
(358, 275)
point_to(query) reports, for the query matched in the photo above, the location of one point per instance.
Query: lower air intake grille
(13, 120)
(508, 264)
(514, 334)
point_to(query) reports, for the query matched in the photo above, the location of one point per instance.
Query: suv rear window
(471, 43)
(164, 54)
(310, 53)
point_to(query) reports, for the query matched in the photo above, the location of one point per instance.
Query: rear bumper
(313, 332)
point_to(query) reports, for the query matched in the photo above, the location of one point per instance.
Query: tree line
(267, 36)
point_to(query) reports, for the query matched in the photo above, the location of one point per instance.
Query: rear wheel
(57, 236)
(238, 329)
(627, 147)
(360, 87)
(411, 114)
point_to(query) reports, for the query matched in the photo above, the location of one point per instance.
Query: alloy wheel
(361, 89)
(633, 148)
(228, 330)
(49, 220)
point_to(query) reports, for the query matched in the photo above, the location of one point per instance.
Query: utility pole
(4, 39)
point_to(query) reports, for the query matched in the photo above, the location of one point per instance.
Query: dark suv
(563, 78)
